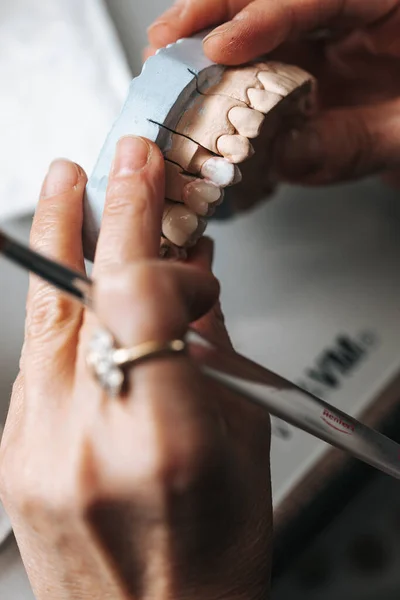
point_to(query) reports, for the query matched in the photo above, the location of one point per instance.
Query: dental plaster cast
(207, 119)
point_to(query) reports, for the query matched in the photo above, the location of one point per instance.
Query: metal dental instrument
(251, 381)
(74, 284)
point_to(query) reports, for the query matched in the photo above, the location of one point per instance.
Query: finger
(173, 424)
(261, 26)
(349, 72)
(133, 211)
(53, 320)
(156, 301)
(187, 17)
(392, 178)
(211, 325)
(148, 52)
(150, 300)
(265, 24)
(57, 224)
(341, 145)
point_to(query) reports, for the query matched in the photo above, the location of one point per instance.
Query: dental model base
(206, 119)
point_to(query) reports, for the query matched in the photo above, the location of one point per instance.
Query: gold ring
(108, 362)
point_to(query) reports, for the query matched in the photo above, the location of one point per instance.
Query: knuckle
(362, 149)
(151, 281)
(5, 472)
(48, 313)
(149, 300)
(22, 358)
(146, 281)
(34, 502)
(38, 506)
(26, 500)
(44, 227)
(151, 472)
(33, 488)
(121, 197)
(10, 474)
(18, 385)
(218, 314)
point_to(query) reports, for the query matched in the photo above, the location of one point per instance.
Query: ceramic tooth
(202, 197)
(201, 228)
(220, 171)
(175, 181)
(238, 176)
(235, 148)
(276, 83)
(262, 100)
(289, 76)
(181, 225)
(247, 122)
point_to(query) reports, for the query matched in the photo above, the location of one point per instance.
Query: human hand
(164, 492)
(357, 130)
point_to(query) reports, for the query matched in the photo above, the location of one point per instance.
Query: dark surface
(328, 505)
(305, 550)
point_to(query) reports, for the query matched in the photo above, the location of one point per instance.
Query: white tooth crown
(202, 116)
(220, 171)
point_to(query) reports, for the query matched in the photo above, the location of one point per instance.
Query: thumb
(148, 52)
(212, 325)
(341, 145)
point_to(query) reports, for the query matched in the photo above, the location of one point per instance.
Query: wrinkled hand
(164, 493)
(357, 132)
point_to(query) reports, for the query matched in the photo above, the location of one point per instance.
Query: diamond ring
(108, 362)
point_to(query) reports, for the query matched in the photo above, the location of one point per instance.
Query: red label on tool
(337, 422)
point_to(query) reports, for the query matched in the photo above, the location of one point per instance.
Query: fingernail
(63, 175)
(165, 19)
(218, 31)
(298, 154)
(132, 156)
(159, 25)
